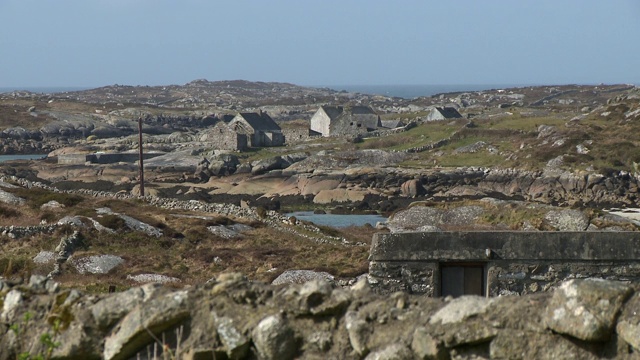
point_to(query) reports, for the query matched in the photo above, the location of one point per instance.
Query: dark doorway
(462, 279)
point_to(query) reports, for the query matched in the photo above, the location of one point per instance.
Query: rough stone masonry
(232, 318)
(492, 263)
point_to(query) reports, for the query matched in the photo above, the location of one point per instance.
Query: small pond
(338, 220)
(22, 157)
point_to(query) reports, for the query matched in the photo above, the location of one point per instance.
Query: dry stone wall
(232, 318)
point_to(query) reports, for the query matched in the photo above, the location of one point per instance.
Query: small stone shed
(260, 129)
(443, 113)
(344, 120)
(490, 263)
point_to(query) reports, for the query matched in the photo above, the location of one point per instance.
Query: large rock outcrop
(232, 318)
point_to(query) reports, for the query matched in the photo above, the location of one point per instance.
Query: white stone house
(344, 120)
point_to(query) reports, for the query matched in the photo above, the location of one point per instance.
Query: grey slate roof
(335, 111)
(449, 112)
(262, 121)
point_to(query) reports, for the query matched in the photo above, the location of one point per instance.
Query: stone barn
(344, 120)
(223, 137)
(443, 113)
(493, 263)
(260, 129)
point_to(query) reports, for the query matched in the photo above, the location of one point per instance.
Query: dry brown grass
(187, 250)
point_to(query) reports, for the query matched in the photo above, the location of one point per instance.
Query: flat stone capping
(505, 245)
(103, 158)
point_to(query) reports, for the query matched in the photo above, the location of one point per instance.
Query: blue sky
(318, 42)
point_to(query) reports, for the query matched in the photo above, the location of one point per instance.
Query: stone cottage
(223, 137)
(344, 120)
(493, 263)
(443, 113)
(260, 129)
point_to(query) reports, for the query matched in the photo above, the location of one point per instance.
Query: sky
(91, 43)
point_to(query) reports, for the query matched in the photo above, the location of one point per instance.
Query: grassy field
(187, 250)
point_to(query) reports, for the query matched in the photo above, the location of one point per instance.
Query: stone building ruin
(490, 263)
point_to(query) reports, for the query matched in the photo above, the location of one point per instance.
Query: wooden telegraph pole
(140, 150)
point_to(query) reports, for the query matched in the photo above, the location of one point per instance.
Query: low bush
(112, 222)
(15, 265)
(37, 197)
(6, 212)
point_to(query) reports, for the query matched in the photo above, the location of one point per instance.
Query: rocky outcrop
(549, 187)
(233, 318)
(425, 218)
(10, 199)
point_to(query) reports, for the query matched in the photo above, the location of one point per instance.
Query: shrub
(112, 222)
(6, 212)
(262, 212)
(37, 197)
(48, 216)
(15, 265)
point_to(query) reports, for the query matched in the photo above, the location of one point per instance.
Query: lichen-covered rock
(133, 333)
(586, 309)
(236, 344)
(460, 309)
(10, 305)
(628, 327)
(392, 352)
(567, 220)
(426, 347)
(523, 345)
(274, 339)
(358, 331)
(111, 309)
(9, 198)
(420, 217)
(44, 257)
(300, 277)
(234, 318)
(132, 223)
(152, 278)
(97, 264)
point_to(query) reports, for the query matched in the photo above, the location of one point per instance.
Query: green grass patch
(37, 197)
(420, 135)
(519, 122)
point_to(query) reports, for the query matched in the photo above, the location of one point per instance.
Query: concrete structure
(260, 129)
(99, 158)
(443, 113)
(347, 120)
(497, 263)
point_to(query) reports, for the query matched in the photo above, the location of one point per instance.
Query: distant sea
(413, 91)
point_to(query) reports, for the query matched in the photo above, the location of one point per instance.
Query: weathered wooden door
(462, 279)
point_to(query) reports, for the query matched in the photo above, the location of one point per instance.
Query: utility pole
(140, 150)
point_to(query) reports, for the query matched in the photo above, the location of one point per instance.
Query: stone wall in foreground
(514, 262)
(232, 318)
